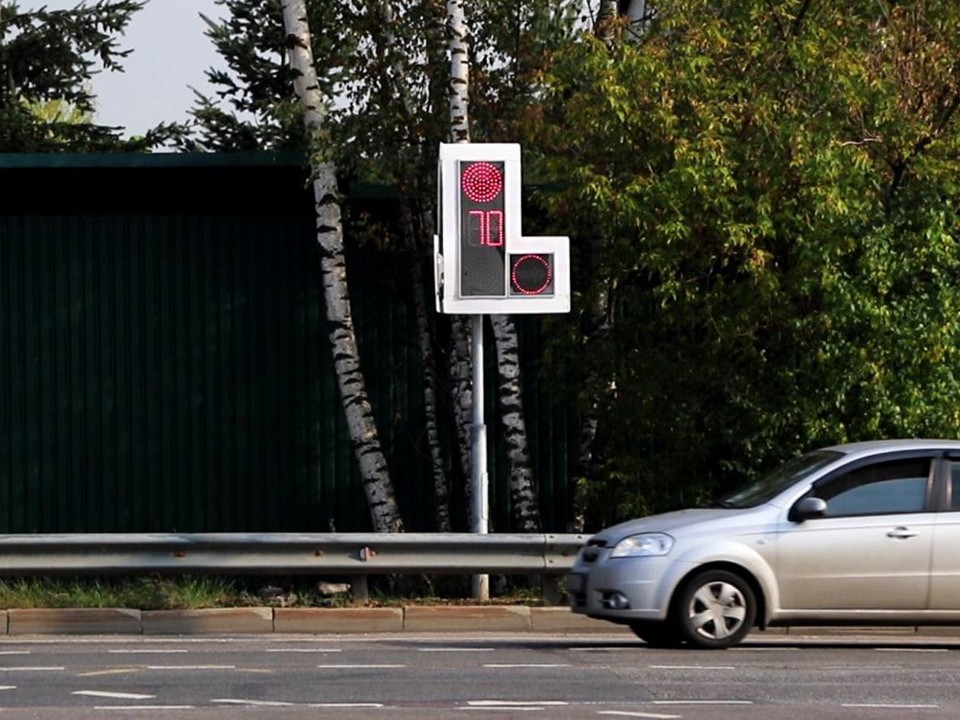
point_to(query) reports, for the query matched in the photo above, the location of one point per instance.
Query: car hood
(702, 518)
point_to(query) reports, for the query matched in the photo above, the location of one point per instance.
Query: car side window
(898, 486)
(955, 485)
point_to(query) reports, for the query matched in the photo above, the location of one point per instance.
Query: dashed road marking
(257, 703)
(304, 650)
(691, 667)
(161, 708)
(703, 702)
(191, 667)
(111, 671)
(516, 703)
(359, 666)
(114, 695)
(146, 651)
(890, 706)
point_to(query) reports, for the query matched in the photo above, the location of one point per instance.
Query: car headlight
(643, 545)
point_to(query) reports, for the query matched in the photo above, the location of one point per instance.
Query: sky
(170, 56)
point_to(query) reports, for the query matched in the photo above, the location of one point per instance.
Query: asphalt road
(433, 676)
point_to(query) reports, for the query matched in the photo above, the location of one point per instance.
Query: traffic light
(483, 263)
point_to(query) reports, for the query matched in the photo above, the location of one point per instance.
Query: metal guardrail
(355, 554)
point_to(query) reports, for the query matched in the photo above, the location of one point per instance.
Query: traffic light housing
(483, 263)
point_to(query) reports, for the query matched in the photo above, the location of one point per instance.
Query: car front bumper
(621, 589)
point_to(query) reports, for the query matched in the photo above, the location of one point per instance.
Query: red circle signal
(531, 274)
(481, 182)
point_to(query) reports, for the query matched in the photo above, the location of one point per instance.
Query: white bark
(606, 20)
(360, 422)
(459, 72)
(394, 85)
(524, 498)
(461, 376)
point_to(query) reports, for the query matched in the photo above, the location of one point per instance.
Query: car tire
(657, 634)
(715, 609)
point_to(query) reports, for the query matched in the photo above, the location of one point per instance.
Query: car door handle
(901, 533)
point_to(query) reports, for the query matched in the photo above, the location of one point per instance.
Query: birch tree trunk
(461, 326)
(606, 20)
(524, 498)
(393, 85)
(523, 493)
(360, 421)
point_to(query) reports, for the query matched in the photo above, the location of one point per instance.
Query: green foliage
(766, 193)
(47, 60)
(762, 198)
(144, 593)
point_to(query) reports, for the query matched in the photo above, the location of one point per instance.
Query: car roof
(871, 447)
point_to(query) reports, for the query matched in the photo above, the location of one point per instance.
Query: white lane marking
(703, 702)
(30, 668)
(191, 667)
(913, 650)
(454, 649)
(14, 652)
(111, 671)
(890, 706)
(146, 651)
(514, 703)
(114, 695)
(691, 667)
(258, 703)
(304, 650)
(144, 707)
(626, 713)
(345, 706)
(8, 687)
(508, 708)
(358, 666)
(527, 665)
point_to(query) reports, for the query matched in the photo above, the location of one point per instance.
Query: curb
(367, 620)
(264, 620)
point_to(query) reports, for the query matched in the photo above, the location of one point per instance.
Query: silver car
(864, 533)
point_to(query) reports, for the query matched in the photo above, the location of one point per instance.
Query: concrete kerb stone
(324, 621)
(208, 622)
(337, 620)
(466, 618)
(80, 621)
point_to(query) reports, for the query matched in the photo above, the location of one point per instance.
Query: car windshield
(772, 484)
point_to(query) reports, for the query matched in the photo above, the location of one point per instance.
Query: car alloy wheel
(716, 609)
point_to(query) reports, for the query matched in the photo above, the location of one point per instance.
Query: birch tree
(376, 481)
(523, 493)
(417, 228)
(399, 96)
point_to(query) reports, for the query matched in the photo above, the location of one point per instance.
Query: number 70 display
(483, 264)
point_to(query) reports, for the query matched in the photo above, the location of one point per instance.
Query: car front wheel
(716, 609)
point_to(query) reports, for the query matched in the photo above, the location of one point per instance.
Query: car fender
(724, 552)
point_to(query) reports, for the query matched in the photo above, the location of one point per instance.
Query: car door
(945, 564)
(871, 549)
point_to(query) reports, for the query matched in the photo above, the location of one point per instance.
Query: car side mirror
(808, 508)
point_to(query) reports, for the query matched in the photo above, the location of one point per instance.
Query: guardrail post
(359, 589)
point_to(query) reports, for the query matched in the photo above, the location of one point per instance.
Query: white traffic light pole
(483, 265)
(479, 479)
